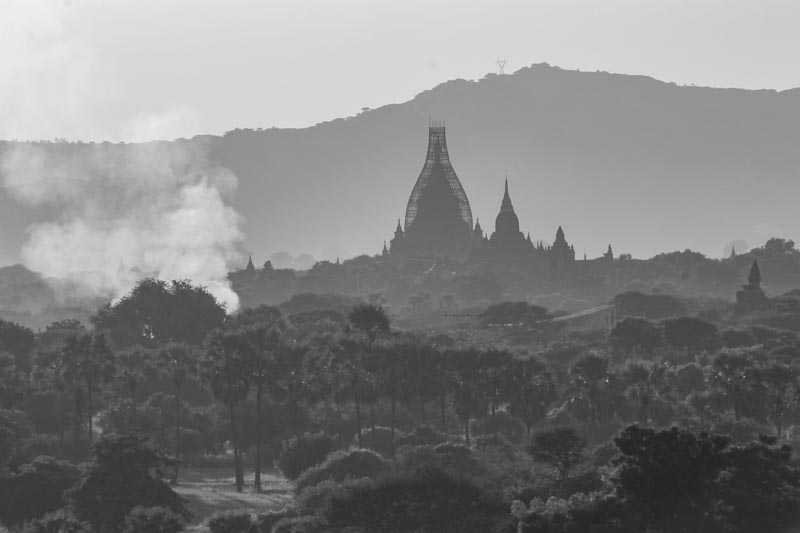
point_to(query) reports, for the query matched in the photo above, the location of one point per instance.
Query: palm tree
(468, 400)
(223, 370)
(177, 361)
(86, 362)
(262, 343)
(533, 390)
(133, 366)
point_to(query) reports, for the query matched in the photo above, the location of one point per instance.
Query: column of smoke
(124, 211)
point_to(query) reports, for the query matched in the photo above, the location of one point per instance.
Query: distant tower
(751, 297)
(733, 252)
(755, 276)
(502, 64)
(438, 215)
(609, 254)
(250, 268)
(385, 251)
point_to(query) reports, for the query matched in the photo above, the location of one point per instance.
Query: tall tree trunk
(372, 415)
(89, 414)
(394, 409)
(257, 482)
(422, 405)
(441, 408)
(177, 433)
(466, 430)
(358, 416)
(78, 422)
(237, 460)
(132, 391)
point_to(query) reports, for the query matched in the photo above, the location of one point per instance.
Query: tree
(133, 366)
(691, 334)
(263, 341)
(126, 472)
(468, 400)
(649, 306)
(561, 447)
(177, 361)
(370, 319)
(85, 364)
(19, 342)
(533, 390)
(156, 312)
(494, 376)
(590, 390)
(634, 333)
(514, 313)
(782, 389)
(223, 370)
(736, 378)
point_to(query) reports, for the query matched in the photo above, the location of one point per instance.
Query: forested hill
(644, 165)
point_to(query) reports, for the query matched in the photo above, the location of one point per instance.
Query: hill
(629, 160)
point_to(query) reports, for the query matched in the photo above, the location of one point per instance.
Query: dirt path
(210, 490)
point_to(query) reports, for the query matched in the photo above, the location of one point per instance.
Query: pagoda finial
(755, 275)
(250, 267)
(385, 250)
(733, 251)
(506, 204)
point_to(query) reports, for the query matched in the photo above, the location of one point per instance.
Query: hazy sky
(139, 69)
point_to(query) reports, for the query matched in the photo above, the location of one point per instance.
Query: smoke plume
(124, 211)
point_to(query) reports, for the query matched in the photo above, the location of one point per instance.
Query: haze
(135, 70)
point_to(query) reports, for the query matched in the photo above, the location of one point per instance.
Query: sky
(136, 70)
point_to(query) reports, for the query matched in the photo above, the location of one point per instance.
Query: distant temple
(438, 222)
(751, 297)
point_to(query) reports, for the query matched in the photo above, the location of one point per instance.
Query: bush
(129, 458)
(501, 422)
(738, 338)
(61, 521)
(264, 523)
(455, 459)
(35, 490)
(430, 500)
(343, 464)
(379, 440)
(421, 435)
(153, 520)
(231, 522)
(316, 497)
(301, 454)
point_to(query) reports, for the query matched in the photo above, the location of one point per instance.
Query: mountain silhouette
(645, 165)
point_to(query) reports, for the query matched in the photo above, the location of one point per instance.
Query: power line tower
(502, 64)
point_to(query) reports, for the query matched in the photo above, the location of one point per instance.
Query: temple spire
(506, 206)
(755, 275)
(733, 252)
(250, 267)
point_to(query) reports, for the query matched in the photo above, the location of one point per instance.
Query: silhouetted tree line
(380, 426)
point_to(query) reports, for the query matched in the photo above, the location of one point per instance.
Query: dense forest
(673, 414)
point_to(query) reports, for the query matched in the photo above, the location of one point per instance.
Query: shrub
(153, 520)
(264, 523)
(316, 497)
(231, 522)
(301, 454)
(129, 458)
(427, 501)
(344, 464)
(455, 459)
(35, 490)
(379, 440)
(500, 422)
(421, 435)
(61, 521)
(299, 524)
(738, 338)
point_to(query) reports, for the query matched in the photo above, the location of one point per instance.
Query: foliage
(231, 522)
(156, 312)
(500, 423)
(60, 521)
(300, 454)
(635, 333)
(513, 313)
(692, 334)
(427, 501)
(343, 464)
(421, 435)
(34, 489)
(649, 306)
(562, 448)
(125, 472)
(380, 440)
(153, 520)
